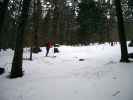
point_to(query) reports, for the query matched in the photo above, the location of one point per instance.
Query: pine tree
(90, 19)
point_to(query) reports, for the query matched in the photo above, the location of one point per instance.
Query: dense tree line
(56, 20)
(92, 20)
(64, 21)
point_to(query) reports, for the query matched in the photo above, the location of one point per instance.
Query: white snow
(100, 76)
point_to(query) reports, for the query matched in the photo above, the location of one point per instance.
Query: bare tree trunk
(122, 36)
(58, 10)
(50, 29)
(16, 70)
(3, 10)
(31, 53)
(36, 23)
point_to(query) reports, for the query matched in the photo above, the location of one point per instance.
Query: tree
(122, 36)
(16, 70)
(130, 7)
(8, 35)
(91, 19)
(36, 23)
(3, 9)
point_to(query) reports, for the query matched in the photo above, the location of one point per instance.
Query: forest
(63, 21)
(31, 23)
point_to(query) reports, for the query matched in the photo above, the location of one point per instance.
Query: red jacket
(48, 45)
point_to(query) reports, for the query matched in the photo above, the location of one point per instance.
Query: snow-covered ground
(100, 76)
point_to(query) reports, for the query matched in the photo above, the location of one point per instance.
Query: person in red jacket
(48, 46)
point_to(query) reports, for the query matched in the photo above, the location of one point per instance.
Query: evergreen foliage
(91, 19)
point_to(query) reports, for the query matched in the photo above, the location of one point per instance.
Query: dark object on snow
(36, 50)
(2, 70)
(56, 45)
(81, 59)
(56, 50)
(131, 43)
(130, 55)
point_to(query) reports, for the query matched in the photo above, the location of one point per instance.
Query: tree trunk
(36, 19)
(16, 70)
(31, 53)
(122, 36)
(3, 10)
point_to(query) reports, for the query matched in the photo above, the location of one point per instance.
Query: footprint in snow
(114, 78)
(116, 93)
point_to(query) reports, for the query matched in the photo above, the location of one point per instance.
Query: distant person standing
(48, 46)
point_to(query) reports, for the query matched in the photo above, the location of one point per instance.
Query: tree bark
(122, 36)
(16, 70)
(36, 22)
(3, 10)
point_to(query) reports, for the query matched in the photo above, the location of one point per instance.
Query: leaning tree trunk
(16, 70)
(122, 36)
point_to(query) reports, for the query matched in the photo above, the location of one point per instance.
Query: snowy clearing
(76, 73)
